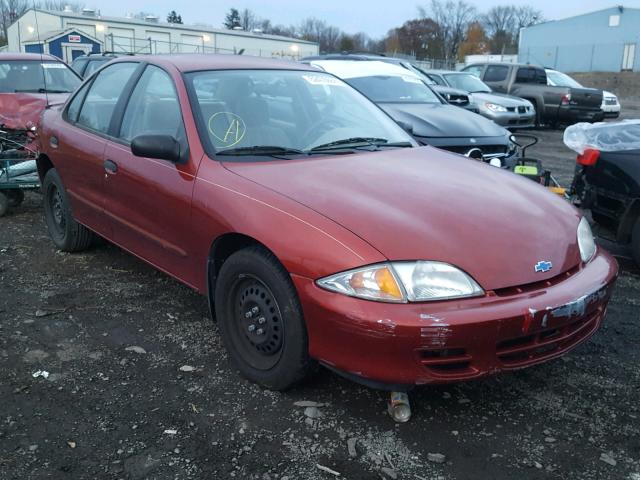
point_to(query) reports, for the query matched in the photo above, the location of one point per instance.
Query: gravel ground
(139, 386)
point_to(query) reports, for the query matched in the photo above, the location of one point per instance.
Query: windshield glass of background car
(559, 79)
(30, 75)
(281, 108)
(467, 82)
(394, 89)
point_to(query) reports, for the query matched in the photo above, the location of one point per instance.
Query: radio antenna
(44, 74)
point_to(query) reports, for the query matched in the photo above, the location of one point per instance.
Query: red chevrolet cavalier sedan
(317, 228)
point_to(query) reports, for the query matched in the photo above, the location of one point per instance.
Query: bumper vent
(447, 361)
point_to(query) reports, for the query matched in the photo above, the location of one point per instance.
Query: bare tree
(453, 19)
(10, 11)
(315, 30)
(59, 5)
(248, 20)
(503, 24)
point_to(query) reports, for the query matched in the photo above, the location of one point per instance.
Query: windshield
(33, 76)
(394, 89)
(283, 112)
(559, 79)
(467, 82)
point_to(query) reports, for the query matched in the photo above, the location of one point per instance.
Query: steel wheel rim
(258, 328)
(57, 210)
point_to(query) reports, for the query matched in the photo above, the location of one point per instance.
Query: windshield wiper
(40, 90)
(261, 150)
(355, 142)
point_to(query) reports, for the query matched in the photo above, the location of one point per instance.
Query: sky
(374, 17)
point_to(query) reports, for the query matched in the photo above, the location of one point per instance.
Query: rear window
(35, 76)
(496, 73)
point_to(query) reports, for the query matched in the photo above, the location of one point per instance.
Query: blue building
(603, 41)
(65, 44)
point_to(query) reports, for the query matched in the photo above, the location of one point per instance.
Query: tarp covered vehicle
(607, 178)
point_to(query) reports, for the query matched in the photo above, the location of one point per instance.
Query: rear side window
(154, 108)
(531, 75)
(92, 66)
(76, 103)
(103, 95)
(496, 73)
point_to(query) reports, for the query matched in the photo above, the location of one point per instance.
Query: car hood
(425, 204)
(439, 120)
(20, 111)
(499, 99)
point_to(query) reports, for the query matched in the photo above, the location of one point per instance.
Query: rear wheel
(16, 197)
(67, 234)
(635, 242)
(261, 319)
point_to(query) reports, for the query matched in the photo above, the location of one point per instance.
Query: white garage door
(121, 40)
(160, 41)
(191, 43)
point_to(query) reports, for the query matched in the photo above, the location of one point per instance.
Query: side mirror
(162, 147)
(407, 127)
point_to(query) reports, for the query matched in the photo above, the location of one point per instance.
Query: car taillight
(588, 158)
(566, 99)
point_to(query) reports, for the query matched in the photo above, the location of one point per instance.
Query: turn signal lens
(589, 157)
(377, 282)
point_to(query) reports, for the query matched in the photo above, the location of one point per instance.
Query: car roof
(506, 64)
(187, 62)
(356, 68)
(28, 56)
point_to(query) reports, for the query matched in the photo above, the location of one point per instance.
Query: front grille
(459, 99)
(610, 101)
(446, 361)
(529, 287)
(520, 351)
(487, 150)
(522, 109)
(511, 109)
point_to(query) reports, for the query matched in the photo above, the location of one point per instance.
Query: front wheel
(67, 234)
(260, 319)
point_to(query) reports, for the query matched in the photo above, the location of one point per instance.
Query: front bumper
(511, 119)
(441, 342)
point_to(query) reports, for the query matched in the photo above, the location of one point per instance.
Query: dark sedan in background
(406, 98)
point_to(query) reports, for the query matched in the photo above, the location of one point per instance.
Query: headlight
(494, 107)
(404, 282)
(586, 243)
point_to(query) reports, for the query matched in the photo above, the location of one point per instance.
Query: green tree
(232, 19)
(173, 17)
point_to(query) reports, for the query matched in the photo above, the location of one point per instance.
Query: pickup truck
(554, 105)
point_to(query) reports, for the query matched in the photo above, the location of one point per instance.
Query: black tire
(16, 197)
(635, 242)
(4, 204)
(67, 234)
(252, 280)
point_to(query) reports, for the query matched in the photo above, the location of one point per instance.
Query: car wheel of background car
(67, 234)
(635, 242)
(4, 204)
(16, 197)
(260, 319)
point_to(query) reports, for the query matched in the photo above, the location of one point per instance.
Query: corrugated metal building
(67, 34)
(603, 41)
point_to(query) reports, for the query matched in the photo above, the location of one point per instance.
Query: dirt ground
(139, 386)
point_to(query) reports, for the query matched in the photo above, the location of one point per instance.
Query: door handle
(110, 166)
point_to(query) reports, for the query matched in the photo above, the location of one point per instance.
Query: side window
(496, 73)
(92, 66)
(103, 95)
(76, 103)
(438, 79)
(541, 76)
(474, 70)
(154, 108)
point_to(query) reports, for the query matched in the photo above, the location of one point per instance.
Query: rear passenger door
(149, 200)
(81, 139)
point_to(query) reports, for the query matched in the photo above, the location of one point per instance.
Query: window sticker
(53, 65)
(323, 80)
(228, 128)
